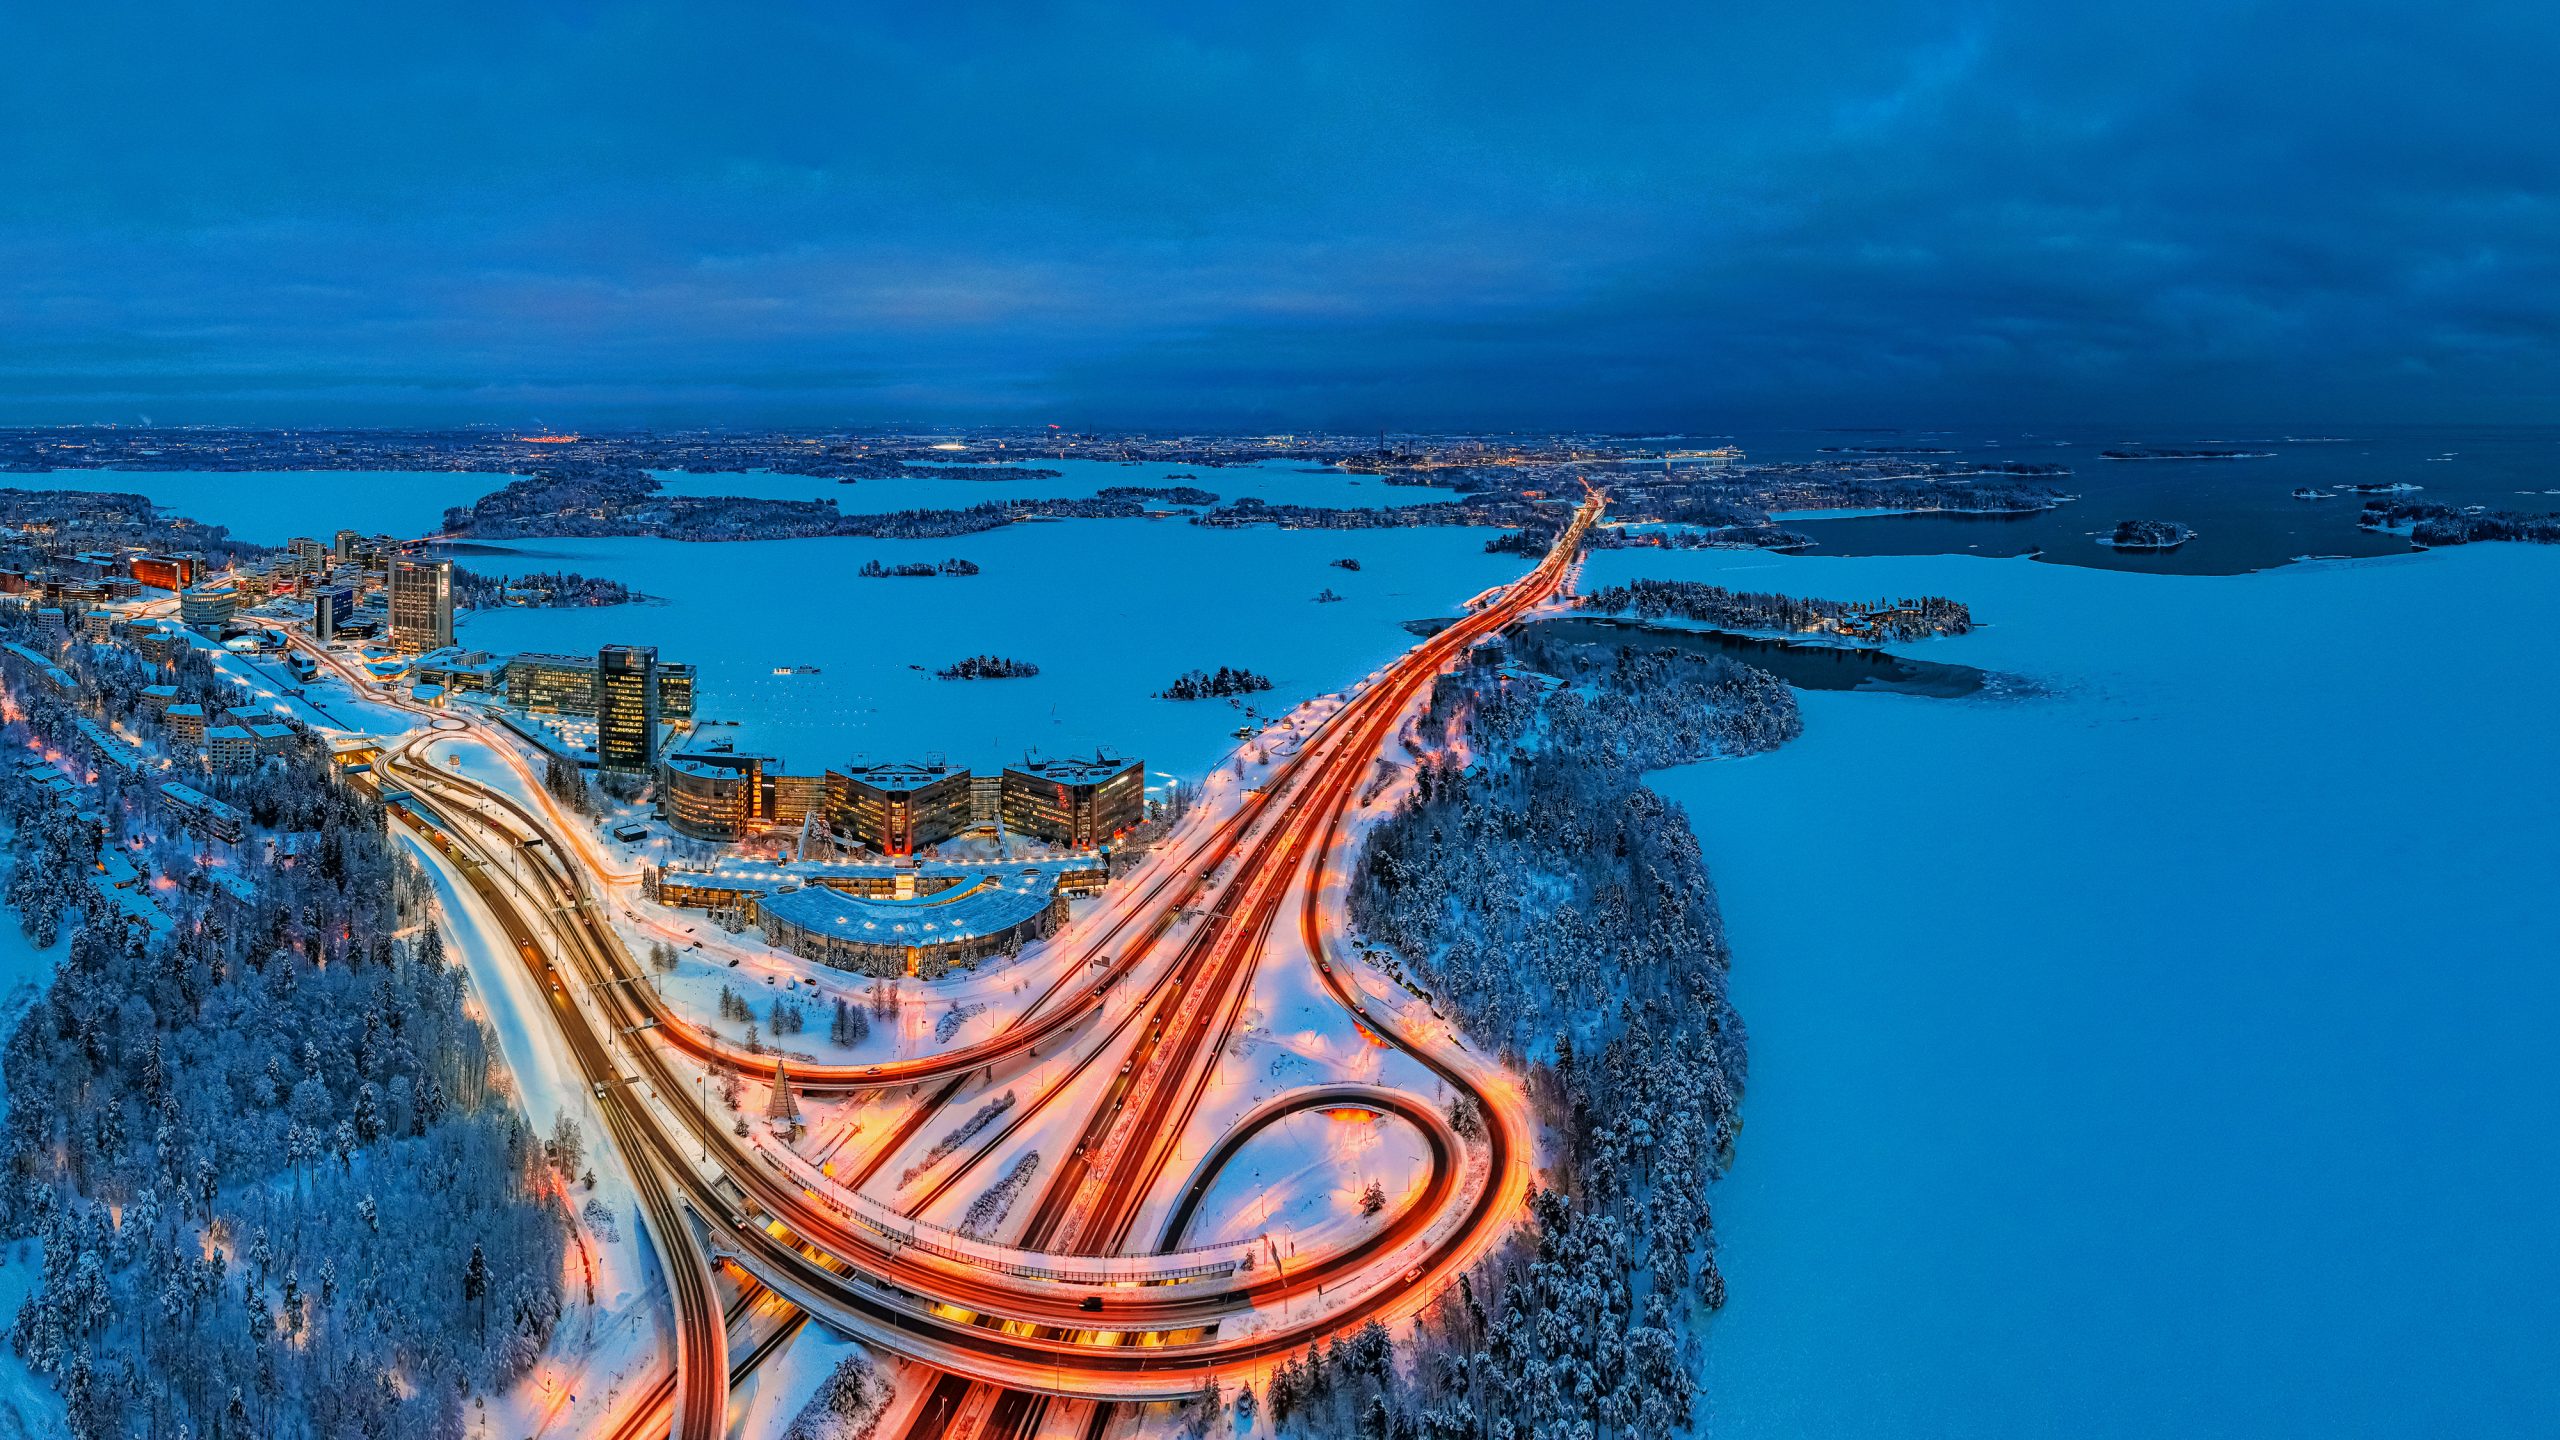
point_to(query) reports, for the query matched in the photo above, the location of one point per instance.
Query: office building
(205, 609)
(348, 548)
(310, 557)
(1076, 803)
(421, 604)
(329, 611)
(539, 683)
(626, 709)
(164, 572)
(675, 693)
(715, 795)
(897, 809)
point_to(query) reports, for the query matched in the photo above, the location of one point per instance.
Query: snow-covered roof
(962, 913)
(1089, 771)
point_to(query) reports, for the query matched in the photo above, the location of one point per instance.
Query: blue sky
(1362, 215)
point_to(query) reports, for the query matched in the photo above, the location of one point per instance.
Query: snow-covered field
(2164, 1055)
(1110, 610)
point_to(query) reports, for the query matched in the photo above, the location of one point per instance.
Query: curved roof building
(924, 935)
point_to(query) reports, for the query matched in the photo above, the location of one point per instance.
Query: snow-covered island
(2149, 535)
(988, 667)
(1215, 684)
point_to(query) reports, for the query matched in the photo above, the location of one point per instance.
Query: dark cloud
(1352, 214)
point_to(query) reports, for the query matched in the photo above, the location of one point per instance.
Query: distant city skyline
(1430, 217)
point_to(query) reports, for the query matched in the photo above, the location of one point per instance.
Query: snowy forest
(2431, 524)
(1612, 998)
(988, 667)
(1891, 620)
(1215, 684)
(258, 1150)
(552, 589)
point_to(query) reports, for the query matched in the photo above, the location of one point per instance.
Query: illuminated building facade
(546, 684)
(206, 609)
(675, 693)
(897, 809)
(1076, 803)
(421, 604)
(626, 709)
(330, 610)
(715, 796)
(164, 572)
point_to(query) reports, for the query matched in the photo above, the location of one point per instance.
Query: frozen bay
(2168, 1053)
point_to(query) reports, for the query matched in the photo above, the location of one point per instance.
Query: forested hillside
(1561, 911)
(277, 1184)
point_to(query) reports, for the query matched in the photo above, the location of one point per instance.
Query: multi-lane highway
(1134, 1027)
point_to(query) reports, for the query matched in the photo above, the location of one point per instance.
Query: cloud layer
(1360, 215)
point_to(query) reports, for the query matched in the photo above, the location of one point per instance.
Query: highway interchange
(1079, 1305)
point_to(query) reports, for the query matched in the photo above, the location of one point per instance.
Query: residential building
(897, 809)
(421, 604)
(154, 642)
(231, 747)
(202, 814)
(626, 709)
(185, 722)
(1077, 803)
(53, 676)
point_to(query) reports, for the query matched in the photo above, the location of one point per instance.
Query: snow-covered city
(1127, 721)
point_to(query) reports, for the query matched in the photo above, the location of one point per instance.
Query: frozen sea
(272, 506)
(1110, 610)
(2168, 1054)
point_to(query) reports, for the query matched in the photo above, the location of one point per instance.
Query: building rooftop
(195, 799)
(228, 732)
(1072, 771)
(962, 913)
(900, 777)
(718, 762)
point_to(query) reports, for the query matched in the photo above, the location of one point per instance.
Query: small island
(1326, 596)
(2148, 453)
(1909, 618)
(916, 569)
(988, 667)
(1226, 680)
(543, 589)
(1346, 563)
(2149, 535)
(2306, 492)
